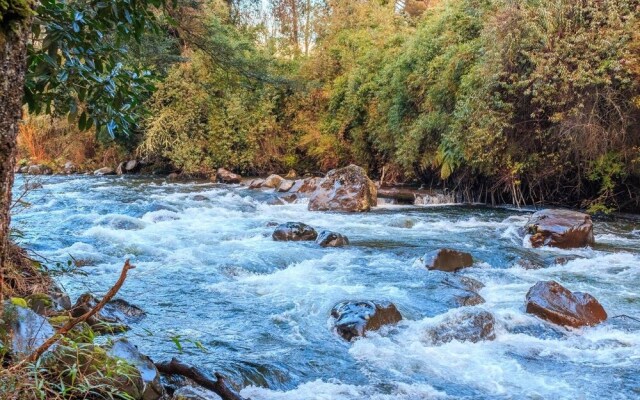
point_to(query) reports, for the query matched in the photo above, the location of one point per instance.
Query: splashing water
(208, 272)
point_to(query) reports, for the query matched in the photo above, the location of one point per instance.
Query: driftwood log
(218, 386)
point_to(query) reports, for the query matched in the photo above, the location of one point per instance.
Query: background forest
(521, 102)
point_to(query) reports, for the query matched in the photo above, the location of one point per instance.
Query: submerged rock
(226, 176)
(345, 189)
(152, 388)
(194, 393)
(355, 318)
(22, 330)
(469, 325)
(294, 231)
(553, 302)
(560, 228)
(447, 260)
(332, 239)
(273, 181)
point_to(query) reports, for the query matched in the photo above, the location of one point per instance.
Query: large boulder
(553, 302)
(22, 330)
(447, 260)
(467, 325)
(226, 176)
(355, 318)
(345, 189)
(273, 181)
(294, 231)
(332, 239)
(152, 388)
(560, 228)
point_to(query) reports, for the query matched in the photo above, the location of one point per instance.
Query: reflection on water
(208, 271)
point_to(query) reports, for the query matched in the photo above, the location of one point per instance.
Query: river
(207, 272)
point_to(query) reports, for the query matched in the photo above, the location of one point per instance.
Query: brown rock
(446, 260)
(256, 183)
(332, 239)
(294, 231)
(555, 303)
(273, 181)
(560, 228)
(292, 174)
(307, 185)
(354, 318)
(226, 176)
(345, 189)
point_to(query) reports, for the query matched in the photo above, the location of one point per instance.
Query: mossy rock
(81, 333)
(41, 303)
(88, 367)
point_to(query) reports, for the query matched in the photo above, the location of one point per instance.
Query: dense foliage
(523, 102)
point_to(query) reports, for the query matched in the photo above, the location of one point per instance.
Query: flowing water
(209, 273)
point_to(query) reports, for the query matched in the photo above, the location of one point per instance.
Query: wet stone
(332, 239)
(354, 318)
(554, 303)
(468, 325)
(294, 231)
(447, 260)
(560, 228)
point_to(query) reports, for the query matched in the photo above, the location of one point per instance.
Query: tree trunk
(14, 28)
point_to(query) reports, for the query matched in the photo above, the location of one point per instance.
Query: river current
(212, 280)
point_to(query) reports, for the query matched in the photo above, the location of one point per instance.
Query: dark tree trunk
(14, 27)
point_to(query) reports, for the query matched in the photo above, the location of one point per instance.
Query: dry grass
(22, 275)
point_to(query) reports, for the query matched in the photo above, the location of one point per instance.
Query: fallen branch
(75, 321)
(219, 386)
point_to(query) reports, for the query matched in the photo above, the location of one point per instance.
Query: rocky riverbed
(221, 293)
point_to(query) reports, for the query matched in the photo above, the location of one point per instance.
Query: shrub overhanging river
(208, 272)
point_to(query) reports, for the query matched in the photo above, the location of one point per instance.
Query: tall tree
(15, 20)
(67, 56)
